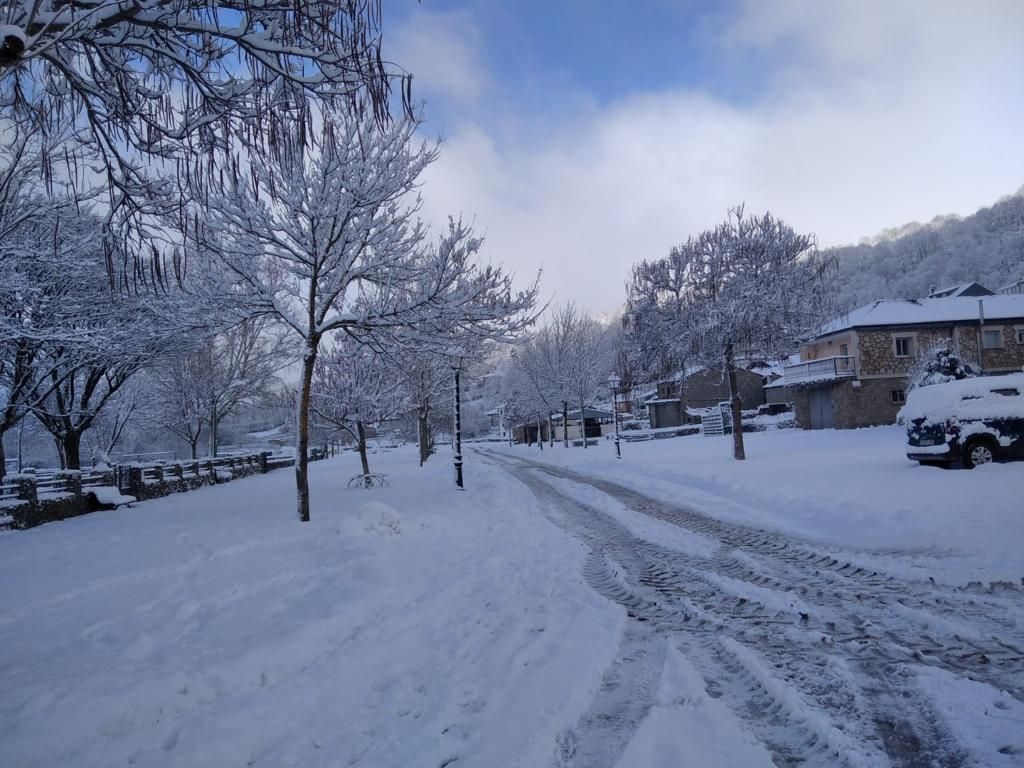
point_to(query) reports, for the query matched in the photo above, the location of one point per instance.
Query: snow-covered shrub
(940, 364)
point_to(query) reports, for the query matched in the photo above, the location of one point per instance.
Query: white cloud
(442, 50)
(882, 115)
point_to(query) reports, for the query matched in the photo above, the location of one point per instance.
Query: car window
(1009, 392)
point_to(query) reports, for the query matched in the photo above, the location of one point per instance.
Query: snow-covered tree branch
(328, 240)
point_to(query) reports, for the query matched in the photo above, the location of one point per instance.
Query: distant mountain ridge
(910, 260)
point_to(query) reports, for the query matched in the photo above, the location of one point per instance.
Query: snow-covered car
(973, 421)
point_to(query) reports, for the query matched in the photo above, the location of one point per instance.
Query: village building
(680, 402)
(855, 371)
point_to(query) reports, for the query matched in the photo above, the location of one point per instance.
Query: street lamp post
(457, 367)
(613, 382)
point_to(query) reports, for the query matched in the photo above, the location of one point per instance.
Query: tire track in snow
(833, 670)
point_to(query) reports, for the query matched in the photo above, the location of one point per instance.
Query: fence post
(72, 480)
(263, 462)
(26, 487)
(135, 484)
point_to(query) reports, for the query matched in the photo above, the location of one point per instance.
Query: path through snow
(827, 662)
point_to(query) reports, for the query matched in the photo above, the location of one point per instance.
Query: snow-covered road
(815, 651)
(544, 618)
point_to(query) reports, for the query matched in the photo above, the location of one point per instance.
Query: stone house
(702, 389)
(855, 371)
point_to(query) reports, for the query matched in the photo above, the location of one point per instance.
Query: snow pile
(380, 519)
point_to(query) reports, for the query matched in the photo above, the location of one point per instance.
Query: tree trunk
(71, 448)
(194, 445)
(734, 405)
(302, 432)
(362, 450)
(3, 457)
(551, 432)
(540, 436)
(422, 416)
(583, 425)
(565, 423)
(213, 429)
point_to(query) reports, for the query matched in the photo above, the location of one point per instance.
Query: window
(898, 395)
(1008, 392)
(992, 339)
(1020, 334)
(903, 346)
(844, 350)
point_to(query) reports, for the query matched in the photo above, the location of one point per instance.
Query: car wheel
(978, 452)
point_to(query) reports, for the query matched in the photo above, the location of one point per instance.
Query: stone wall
(867, 405)
(67, 498)
(878, 356)
(708, 388)
(801, 407)
(665, 414)
(1009, 358)
(878, 351)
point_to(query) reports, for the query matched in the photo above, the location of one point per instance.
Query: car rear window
(1009, 392)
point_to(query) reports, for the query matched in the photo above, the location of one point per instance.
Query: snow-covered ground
(853, 488)
(531, 620)
(406, 626)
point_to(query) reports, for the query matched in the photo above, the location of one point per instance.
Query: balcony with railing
(824, 369)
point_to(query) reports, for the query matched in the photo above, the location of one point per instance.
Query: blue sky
(538, 55)
(584, 136)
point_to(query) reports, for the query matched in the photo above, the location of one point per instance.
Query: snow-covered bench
(108, 497)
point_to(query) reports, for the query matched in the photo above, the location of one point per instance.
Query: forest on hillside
(987, 247)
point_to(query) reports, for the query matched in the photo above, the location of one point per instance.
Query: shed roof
(589, 413)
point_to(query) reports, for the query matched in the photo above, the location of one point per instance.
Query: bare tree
(160, 89)
(242, 364)
(94, 340)
(751, 285)
(329, 241)
(567, 362)
(111, 423)
(353, 388)
(33, 249)
(178, 395)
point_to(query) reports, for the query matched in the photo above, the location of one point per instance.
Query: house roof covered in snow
(964, 289)
(957, 309)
